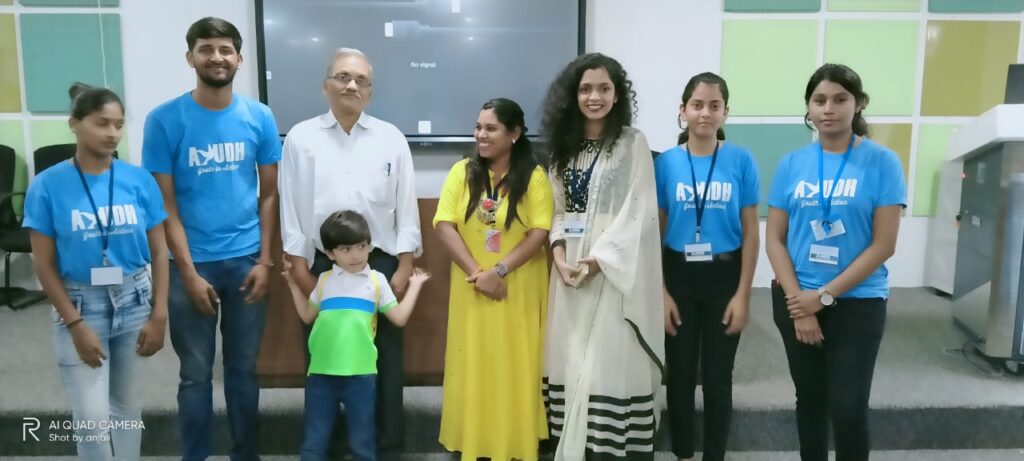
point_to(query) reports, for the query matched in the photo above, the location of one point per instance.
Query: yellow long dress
(492, 376)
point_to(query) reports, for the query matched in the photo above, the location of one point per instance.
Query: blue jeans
(194, 337)
(323, 394)
(112, 392)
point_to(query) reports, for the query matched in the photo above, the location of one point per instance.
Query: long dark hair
(850, 81)
(709, 78)
(562, 124)
(521, 162)
(87, 99)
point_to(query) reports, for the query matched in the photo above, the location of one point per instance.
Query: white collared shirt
(367, 285)
(370, 171)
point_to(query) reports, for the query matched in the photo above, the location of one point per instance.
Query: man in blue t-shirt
(210, 150)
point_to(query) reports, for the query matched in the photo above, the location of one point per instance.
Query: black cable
(986, 368)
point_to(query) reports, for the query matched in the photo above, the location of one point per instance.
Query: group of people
(651, 272)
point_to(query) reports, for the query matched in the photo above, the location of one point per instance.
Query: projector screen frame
(261, 69)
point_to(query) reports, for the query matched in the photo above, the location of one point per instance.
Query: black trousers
(833, 381)
(701, 291)
(390, 375)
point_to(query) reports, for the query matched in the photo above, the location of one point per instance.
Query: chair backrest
(48, 156)
(7, 162)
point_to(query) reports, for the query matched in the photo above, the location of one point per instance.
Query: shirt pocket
(381, 183)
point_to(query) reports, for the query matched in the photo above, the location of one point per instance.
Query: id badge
(696, 252)
(575, 226)
(818, 228)
(824, 255)
(107, 275)
(492, 241)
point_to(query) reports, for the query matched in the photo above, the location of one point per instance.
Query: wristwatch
(501, 269)
(826, 298)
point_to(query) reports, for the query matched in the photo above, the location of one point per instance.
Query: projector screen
(435, 62)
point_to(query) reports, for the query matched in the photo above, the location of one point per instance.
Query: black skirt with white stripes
(617, 428)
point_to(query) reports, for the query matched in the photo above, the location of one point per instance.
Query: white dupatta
(623, 235)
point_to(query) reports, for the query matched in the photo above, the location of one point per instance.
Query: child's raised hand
(419, 276)
(287, 271)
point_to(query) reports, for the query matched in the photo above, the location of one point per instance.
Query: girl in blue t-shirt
(831, 285)
(95, 224)
(707, 196)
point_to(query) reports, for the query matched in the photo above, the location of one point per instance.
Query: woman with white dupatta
(604, 354)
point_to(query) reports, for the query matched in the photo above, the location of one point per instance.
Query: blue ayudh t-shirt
(212, 156)
(873, 178)
(57, 206)
(734, 186)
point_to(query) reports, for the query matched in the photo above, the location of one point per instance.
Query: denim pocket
(145, 294)
(76, 301)
(64, 346)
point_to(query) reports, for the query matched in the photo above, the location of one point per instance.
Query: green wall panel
(874, 5)
(768, 143)
(767, 64)
(976, 6)
(60, 49)
(766, 6)
(932, 152)
(895, 136)
(884, 54)
(10, 82)
(965, 66)
(49, 132)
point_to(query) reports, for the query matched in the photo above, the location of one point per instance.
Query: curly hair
(563, 122)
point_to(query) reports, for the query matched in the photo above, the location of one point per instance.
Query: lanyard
(578, 189)
(826, 202)
(700, 203)
(104, 229)
(497, 188)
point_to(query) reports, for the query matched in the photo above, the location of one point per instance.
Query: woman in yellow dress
(493, 219)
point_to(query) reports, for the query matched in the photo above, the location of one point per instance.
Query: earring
(514, 140)
(679, 122)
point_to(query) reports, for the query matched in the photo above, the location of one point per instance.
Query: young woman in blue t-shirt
(707, 196)
(95, 224)
(831, 285)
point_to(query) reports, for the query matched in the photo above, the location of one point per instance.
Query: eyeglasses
(344, 79)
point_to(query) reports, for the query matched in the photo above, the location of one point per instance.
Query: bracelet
(265, 263)
(73, 323)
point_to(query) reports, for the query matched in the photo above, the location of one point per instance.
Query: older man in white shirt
(346, 159)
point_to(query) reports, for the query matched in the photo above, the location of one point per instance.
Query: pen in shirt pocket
(389, 169)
